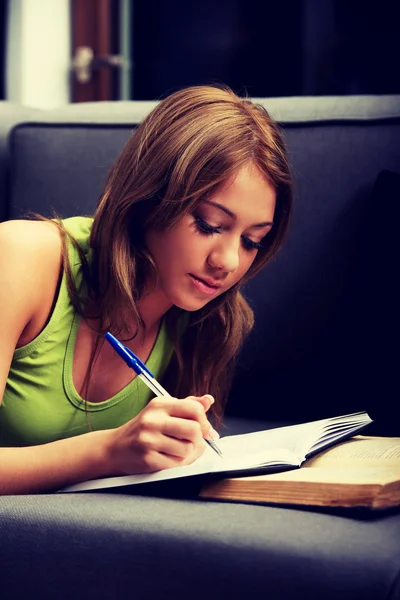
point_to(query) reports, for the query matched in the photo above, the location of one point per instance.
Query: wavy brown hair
(189, 146)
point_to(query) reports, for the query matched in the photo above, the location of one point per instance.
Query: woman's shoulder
(30, 240)
(31, 258)
(30, 267)
(24, 234)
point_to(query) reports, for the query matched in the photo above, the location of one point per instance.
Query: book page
(234, 459)
(360, 451)
(299, 439)
(329, 431)
(294, 438)
(340, 475)
(237, 446)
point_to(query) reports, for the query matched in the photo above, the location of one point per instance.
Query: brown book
(361, 472)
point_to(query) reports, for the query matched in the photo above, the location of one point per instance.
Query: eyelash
(207, 229)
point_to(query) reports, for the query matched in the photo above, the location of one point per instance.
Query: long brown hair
(192, 143)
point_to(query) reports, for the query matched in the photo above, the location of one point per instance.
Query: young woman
(197, 203)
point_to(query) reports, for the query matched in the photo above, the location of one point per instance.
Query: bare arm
(167, 433)
(49, 467)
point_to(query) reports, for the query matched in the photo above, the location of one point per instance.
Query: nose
(224, 256)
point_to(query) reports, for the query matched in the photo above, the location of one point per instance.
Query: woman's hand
(167, 433)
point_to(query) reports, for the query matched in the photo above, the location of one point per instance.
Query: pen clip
(127, 355)
(137, 359)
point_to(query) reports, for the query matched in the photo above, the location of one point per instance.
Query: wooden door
(95, 43)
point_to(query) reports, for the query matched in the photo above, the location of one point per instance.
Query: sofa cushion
(61, 168)
(10, 115)
(120, 546)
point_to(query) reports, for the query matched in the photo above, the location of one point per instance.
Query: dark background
(266, 48)
(281, 48)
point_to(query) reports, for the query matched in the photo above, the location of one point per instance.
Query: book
(260, 452)
(361, 472)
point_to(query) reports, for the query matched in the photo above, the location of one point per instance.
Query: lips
(207, 286)
(209, 282)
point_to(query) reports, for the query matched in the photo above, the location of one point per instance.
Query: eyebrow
(233, 216)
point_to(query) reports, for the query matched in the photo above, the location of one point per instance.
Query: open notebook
(266, 451)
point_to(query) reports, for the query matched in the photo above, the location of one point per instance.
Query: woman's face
(210, 250)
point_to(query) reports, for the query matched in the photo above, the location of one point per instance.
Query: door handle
(84, 63)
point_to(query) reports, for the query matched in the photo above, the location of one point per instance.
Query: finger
(181, 439)
(190, 408)
(188, 430)
(168, 403)
(173, 447)
(151, 442)
(165, 460)
(207, 401)
(159, 409)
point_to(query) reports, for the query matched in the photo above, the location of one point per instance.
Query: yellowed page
(369, 475)
(360, 451)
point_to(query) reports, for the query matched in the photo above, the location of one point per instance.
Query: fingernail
(210, 397)
(212, 434)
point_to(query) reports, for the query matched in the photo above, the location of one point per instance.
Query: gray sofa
(324, 344)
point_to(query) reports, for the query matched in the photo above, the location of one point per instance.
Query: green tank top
(40, 402)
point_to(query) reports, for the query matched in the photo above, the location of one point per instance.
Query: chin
(188, 302)
(190, 305)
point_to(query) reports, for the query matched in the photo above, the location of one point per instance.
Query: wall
(38, 51)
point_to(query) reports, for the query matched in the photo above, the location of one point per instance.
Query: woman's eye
(204, 227)
(207, 229)
(250, 245)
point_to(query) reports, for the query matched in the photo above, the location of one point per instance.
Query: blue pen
(145, 375)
